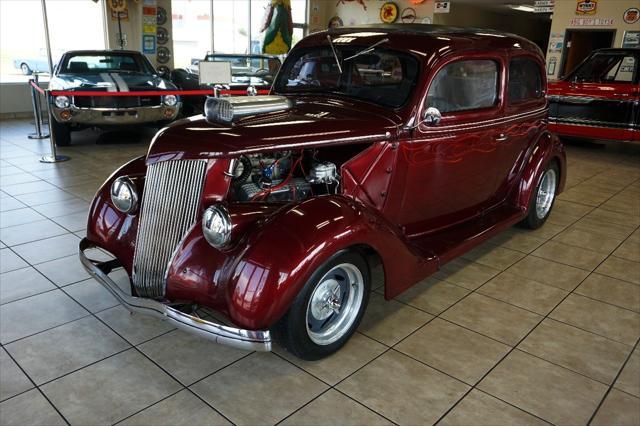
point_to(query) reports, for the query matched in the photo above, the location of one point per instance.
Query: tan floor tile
(389, 321)
(603, 216)
(480, 409)
(403, 390)
(61, 350)
(622, 269)
(61, 208)
(27, 188)
(91, 295)
(135, 328)
(629, 250)
(10, 203)
(37, 313)
(432, 295)
(19, 217)
(606, 320)
(583, 352)
(492, 318)
(605, 229)
(339, 408)
(546, 232)
(570, 208)
(29, 408)
(588, 240)
(73, 222)
(180, 354)
(130, 380)
(544, 389)
(629, 380)
(50, 196)
(181, 409)
(611, 290)
(358, 351)
(454, 350)
(12, 380)
(22, 283)
(466, 273)
(525, 293)
(64, 271)
(547, 272)
(29, 232)
(517, 239)
(247, 383)
(48, 249)
(570, 255)
(619, 409)
(587, 196)
(494, 257)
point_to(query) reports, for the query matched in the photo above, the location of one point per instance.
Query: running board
(452, 242)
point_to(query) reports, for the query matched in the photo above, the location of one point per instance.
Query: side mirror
(432, 116)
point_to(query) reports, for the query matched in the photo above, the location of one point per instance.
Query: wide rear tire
(328, 309)
(543, 198)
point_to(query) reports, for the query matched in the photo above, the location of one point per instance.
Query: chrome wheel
(546, 193)
(334, 304)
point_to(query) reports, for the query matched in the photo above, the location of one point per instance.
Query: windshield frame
(573, 75)
(280, 82)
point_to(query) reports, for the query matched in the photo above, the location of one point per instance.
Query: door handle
(501, 137)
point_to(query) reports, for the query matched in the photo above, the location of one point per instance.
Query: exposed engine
(283, 176)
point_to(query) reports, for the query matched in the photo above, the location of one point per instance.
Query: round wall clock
(164, 70)
(389, 12)
(163, 35)
(631, 15)
(427, 20)
(161, 15)
(408, 15)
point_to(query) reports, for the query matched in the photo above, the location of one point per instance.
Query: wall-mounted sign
(592, 22)
(442, 7)
(543, 6)
(631, 15)
(631, 39)
(586, 7)
(551, 66)
(408, 15)
(148, 44)
(556, 41)
(214, 72)
(389, 12)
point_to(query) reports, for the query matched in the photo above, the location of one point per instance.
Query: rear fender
(546, 149)
(280, 257)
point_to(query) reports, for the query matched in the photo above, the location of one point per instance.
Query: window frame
(452, 118)
(541, 73)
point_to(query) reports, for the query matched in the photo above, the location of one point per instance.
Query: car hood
(312, 122)
(112, 81)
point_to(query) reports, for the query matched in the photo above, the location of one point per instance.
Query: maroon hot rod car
(417, 144)
(600, 99)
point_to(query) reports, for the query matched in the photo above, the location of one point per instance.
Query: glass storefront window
(191, 21)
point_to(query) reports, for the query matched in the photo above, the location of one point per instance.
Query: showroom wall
(352, 12)
(608, 16)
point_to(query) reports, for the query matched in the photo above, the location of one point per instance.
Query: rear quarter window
(465, 85)
(525, 80)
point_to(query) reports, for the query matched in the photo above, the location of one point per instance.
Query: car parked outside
(600, 99)
(107, 72)
(38, 64)
(414, 145)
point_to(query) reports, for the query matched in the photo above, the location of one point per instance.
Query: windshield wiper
(335, 55)
(367, 49)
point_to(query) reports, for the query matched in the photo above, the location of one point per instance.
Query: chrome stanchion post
(37, 113)
(53, 158)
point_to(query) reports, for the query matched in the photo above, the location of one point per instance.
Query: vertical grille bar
(169, 207)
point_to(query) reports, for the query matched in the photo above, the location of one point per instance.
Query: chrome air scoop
(227, 110)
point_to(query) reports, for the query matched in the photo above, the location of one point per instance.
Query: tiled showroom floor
(532, 327)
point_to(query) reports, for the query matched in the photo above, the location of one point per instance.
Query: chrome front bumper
(235, 337)
(117, 116)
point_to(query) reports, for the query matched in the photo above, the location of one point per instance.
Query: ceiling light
(522, 7)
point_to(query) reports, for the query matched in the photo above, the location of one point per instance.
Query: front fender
(108, 227)
(279, 258)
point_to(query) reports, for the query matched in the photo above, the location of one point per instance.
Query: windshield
(88, 63)
(607, 68)
(381, 76)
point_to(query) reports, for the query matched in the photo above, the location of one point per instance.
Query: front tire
(543, 198)
(61, 132)
(328, 309)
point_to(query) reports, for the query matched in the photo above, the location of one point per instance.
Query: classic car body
(106, 72)
(250, 74)
(40, 63)
(271, 210)
(600, 99)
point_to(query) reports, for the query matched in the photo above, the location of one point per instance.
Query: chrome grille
(170, 201)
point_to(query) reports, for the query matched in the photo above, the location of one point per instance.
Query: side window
(525, 80)
(465, 85)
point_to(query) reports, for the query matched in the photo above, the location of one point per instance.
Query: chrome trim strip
(253, 340)
(593, 123)
(485, 123)
(585, 99)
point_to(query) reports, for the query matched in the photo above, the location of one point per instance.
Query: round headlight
(170, 100)
(216, 226)
(124, 195)
(62, 102)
